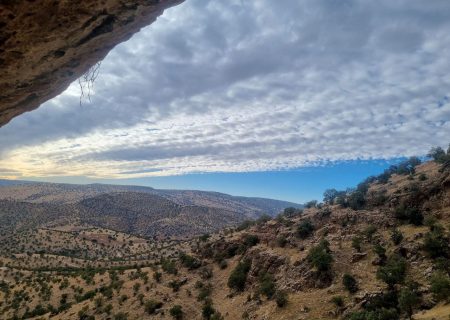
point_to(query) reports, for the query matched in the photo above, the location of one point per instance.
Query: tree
(440, 287)
(176, 312)
(369, 232)
(356, 200)
(238, 276)
(320, 256)
(356, 243)
(380, 250)
(311, 204)
(350, 283)
(396, 236)
(281, 298)
(329, 195)
(305, 229)
(393, 271)
(437, 154)
(408, 299)
(152, 305)
(267, 285)
(435, 243)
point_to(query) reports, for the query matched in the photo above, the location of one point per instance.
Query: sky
(249, 97)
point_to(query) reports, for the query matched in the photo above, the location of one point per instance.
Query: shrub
(440, 287)
(393, 271)
(379, 250)
(369, 232)
(356, 243)
(438, 155)
(338, 301)
(189, 262)
(176, 312)
(282, 241)
(250, 240)
(329, 195)
(412, 215)
(291, 212)
(169, 266)
(320, 256)
(350, 283)
(396, 237)
(356, 200)
(267, 285)
(245, 225)
(379, 314)
(311, 204)
(121, 316)
(281, 298)
(408, 299)
(152, 305)
(157, 276)
(305, 229)
(435, 243)
(238, 276)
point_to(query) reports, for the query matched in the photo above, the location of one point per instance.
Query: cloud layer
(247, 86)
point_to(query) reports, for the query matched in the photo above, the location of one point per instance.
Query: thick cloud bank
(247, 86)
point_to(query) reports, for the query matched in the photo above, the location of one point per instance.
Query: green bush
(379, 250)
(436, 243)
(338, 301)
(356, 243)
(396, 236)
(379, 314)
(440, 287)
(320, 256)
(393, 271)
(267, 285)
(369, 232)
(250, 240)
(121, 316)
(305, 229)
(281, 298)
(412, 215)
(282, 241)
(350, 283)
(238, 276)
(311, 204)
(169, 266)
(408, 300)
(176, 312)
(189, 262)
(151, 306)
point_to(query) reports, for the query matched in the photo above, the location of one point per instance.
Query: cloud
(247, 86)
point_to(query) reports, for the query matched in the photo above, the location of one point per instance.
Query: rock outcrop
(45, 44)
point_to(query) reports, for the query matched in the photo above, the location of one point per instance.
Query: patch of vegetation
(350, 283)
(267, 285)
(238, 276)
(440, 287)
(305, 229)
(320, 257)
(393, 271)
(176, 312)
(281, 298)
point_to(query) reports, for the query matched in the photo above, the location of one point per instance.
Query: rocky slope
(45, 45)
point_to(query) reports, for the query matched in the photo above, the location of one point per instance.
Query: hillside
(136, 210)
(380, 251)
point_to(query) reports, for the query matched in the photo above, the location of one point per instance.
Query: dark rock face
(45, 45)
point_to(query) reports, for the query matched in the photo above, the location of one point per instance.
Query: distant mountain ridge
(132, 209)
